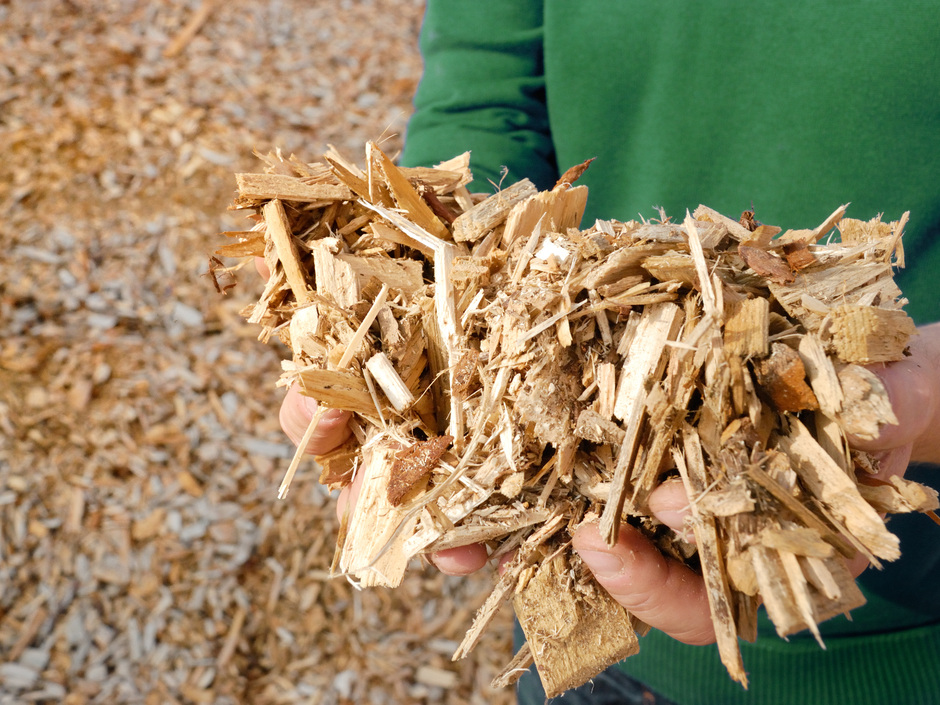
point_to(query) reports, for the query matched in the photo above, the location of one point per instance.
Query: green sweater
(789, 107)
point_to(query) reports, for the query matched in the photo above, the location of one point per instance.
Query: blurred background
(144, 557)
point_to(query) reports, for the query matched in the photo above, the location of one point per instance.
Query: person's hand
(669, 596)
(296, 413)
(913, 386)
(661, 591)
(298, 410)
(332, 430)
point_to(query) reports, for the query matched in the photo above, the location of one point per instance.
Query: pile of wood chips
(513, 376)
(144, 556)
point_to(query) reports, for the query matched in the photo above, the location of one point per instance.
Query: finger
(893, 462)
(504, 561)
(857, 564)
(912, 396)
(662, 592)
(296, 412)
(670, 504)
(262, 267)
(462, 560)
(348, 496)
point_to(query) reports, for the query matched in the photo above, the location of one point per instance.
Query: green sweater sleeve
(483, 90)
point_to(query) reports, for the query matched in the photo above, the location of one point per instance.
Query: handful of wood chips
(512, 375)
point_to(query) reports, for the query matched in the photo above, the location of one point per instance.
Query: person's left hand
(671, 597)
(913, 386)
(664, 593)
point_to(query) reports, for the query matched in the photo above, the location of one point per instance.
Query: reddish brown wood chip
(766, 264)
(798, 255)
(413, 464)
(464, 372)
(336, 467)
(783, 377)
(574, 173)
(440, 210)
(748, 221)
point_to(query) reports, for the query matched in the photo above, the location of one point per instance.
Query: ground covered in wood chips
(144, 557)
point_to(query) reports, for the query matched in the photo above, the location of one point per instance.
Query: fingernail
(603, 564)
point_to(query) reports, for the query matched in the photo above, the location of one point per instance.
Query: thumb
(670, 504)
(296, 413)
(913, 388)
(912, 402)
(461, 560)
(662, 592)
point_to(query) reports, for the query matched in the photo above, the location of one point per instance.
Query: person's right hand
(296, 413)
(332, 430)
